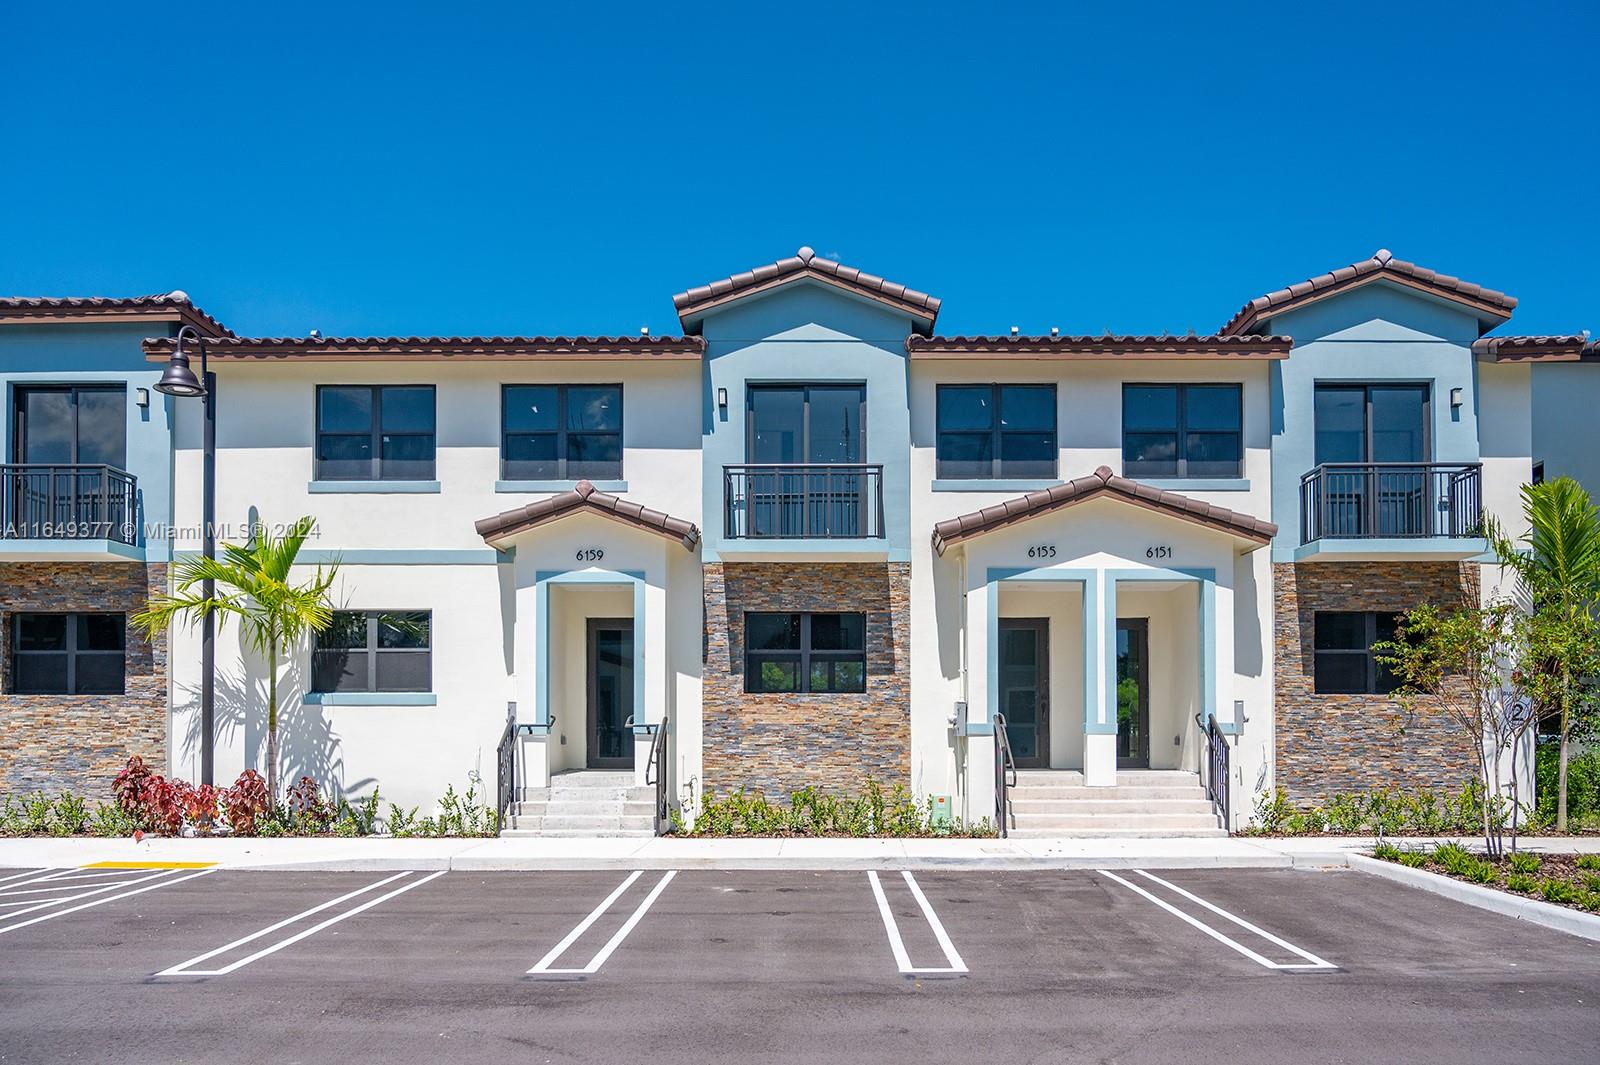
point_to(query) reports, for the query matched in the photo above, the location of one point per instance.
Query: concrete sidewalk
(671, 853)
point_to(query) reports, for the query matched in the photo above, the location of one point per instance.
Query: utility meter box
(940, 816)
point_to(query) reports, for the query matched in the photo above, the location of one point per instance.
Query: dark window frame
(996, 432)
(561, 433)
(1365, 388)
(375, 435)
(370, 652)
(71, 652)
(19, 420)
(751, 388)
(1377, 680)
(804, 654)
(1180, 428)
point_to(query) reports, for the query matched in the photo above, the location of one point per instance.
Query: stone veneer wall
(54, 743)
(777, 743)
(1332, 744)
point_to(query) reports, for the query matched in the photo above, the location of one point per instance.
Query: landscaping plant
(253, 584)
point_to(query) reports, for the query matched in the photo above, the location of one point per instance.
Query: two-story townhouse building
(85, 536)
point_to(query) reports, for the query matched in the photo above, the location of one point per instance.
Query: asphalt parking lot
(187, 965)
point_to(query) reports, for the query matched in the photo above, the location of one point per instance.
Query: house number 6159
(591, 554)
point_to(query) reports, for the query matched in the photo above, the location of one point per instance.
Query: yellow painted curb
(148, 865)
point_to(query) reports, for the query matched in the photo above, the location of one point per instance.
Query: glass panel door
(1024, 689)
(64, 427)
(1133, 693)
(805, 429)
(611, 709)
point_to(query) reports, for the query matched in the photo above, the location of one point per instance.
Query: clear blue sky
(565, 168)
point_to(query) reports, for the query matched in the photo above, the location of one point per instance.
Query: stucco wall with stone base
(54, 743)
(1333, 744)
(777, 743)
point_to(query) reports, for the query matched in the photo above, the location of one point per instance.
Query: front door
(610, 687)
(1133, 693)
(1025, 689)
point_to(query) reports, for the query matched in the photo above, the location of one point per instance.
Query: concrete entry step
(1116, 833)
(1156, 778)
(1143, 802)
(585, 802)
(1027, 805)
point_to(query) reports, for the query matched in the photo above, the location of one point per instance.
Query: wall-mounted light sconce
(1455, 398)
(722, 400)
(141, 397)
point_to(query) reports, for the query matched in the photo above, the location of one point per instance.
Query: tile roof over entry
(1101, 483)
(586, 498)
(1573, 347)
(167, 306)
(432, 349)
(1107, 346)
(693, 304)
(1492, 307)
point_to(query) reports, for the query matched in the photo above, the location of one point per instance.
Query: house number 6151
(591, 554)
(1160, 551)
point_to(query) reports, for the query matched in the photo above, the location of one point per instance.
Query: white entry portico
(1132, 593)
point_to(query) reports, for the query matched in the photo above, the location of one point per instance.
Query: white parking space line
(183, 968)
(1311, 960)
(543, 968)
(25, 872)
(75, 892)
(163, 879)
(898, 945)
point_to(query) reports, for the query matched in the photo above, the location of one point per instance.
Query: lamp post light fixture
(180, 381)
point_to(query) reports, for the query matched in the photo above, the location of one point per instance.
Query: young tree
(1558, 572)
(1465, 663)
(252, 584)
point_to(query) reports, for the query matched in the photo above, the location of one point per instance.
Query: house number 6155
(591, 554)
(1042, 551)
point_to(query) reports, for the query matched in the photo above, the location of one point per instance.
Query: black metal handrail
(505, 759)
(1381, 500)
(1005, 776)
(1217, 778)
(655, 772)
(823, 501)
(40, 501)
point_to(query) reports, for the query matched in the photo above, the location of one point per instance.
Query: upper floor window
(804, 425)
(996, 431)
(1345, 663)
(374, 651)
(561, 432)
(1371, 423)
(805, 652)
(71, 426)
(375, 433)
(1182, 431)
(68, 654)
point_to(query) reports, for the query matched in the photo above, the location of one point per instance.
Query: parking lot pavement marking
(543, 968)
(65, 892)
(161, 879)
(897, 944)
(182, 968)
(25, 872)
(1311, 962)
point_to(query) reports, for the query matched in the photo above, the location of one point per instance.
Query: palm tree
(1558, 567)
(252, 584)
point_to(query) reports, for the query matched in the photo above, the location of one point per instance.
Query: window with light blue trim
(374, 651)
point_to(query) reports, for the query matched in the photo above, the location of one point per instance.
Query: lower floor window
(805, 652)
(1345, 661)
(68, 654)
(374, 651)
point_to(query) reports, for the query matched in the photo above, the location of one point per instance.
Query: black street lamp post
(180, 381)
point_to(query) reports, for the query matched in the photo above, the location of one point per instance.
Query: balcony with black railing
(803, 502)
(60, 502)
(1391, 501)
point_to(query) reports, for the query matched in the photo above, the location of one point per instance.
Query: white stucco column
(1099, 702)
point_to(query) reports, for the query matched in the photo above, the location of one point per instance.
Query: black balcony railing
(832, 502)
(1380, 500)
(40, 502)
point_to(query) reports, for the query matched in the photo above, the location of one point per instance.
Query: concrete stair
(585, 802)
(1143, 803)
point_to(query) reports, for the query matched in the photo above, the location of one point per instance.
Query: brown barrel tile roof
(355, 349)
(111, 308)
(1100, 347)
(693, 304)
(1102, 482)
(1568, 348)
(586, 498)
(1492, 304)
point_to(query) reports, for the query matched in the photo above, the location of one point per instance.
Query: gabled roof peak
(693, 305)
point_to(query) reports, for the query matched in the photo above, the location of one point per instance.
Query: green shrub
(1423, 813)
(811, 812)
(401, 820)
(1272, 810)
(111, 821)
(1590, 900)
(1589, 861)
(1524, 862)
(1387, 852)
(1347, 814)
(1553, 890)
(1521, 882)
(1413, 859)
(1591, 881)
(1583, 782)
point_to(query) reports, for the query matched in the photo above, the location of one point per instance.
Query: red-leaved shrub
(309, 807)
(246, 802)
(129, 787)
(199, 803)
(161, 805)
